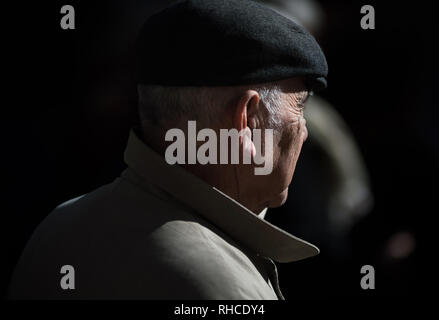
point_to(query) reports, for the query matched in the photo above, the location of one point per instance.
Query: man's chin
(278, 200)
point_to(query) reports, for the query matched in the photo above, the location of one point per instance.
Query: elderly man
(190, 231)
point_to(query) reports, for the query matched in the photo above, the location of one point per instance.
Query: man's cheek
(295, 137)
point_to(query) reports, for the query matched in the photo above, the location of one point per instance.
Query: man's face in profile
(293, 135)
(289, 137)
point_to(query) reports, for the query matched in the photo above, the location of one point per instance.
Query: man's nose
(305, 129)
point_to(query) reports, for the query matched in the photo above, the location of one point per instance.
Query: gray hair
(171, 106)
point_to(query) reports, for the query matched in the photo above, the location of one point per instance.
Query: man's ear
(245, 120)
(246, 111)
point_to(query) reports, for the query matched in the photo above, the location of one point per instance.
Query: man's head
(277, 106)
(230, 64)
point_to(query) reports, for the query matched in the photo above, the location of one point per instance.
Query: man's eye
(301, 105)
(308, 95)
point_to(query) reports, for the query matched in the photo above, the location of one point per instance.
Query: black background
(70, 99)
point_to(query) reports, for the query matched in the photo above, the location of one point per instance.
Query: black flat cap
(226, 42)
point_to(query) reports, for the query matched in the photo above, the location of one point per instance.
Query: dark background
(70, 99)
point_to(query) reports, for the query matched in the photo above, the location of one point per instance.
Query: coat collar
(231, 217)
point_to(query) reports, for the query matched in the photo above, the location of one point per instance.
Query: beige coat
(155, 232)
